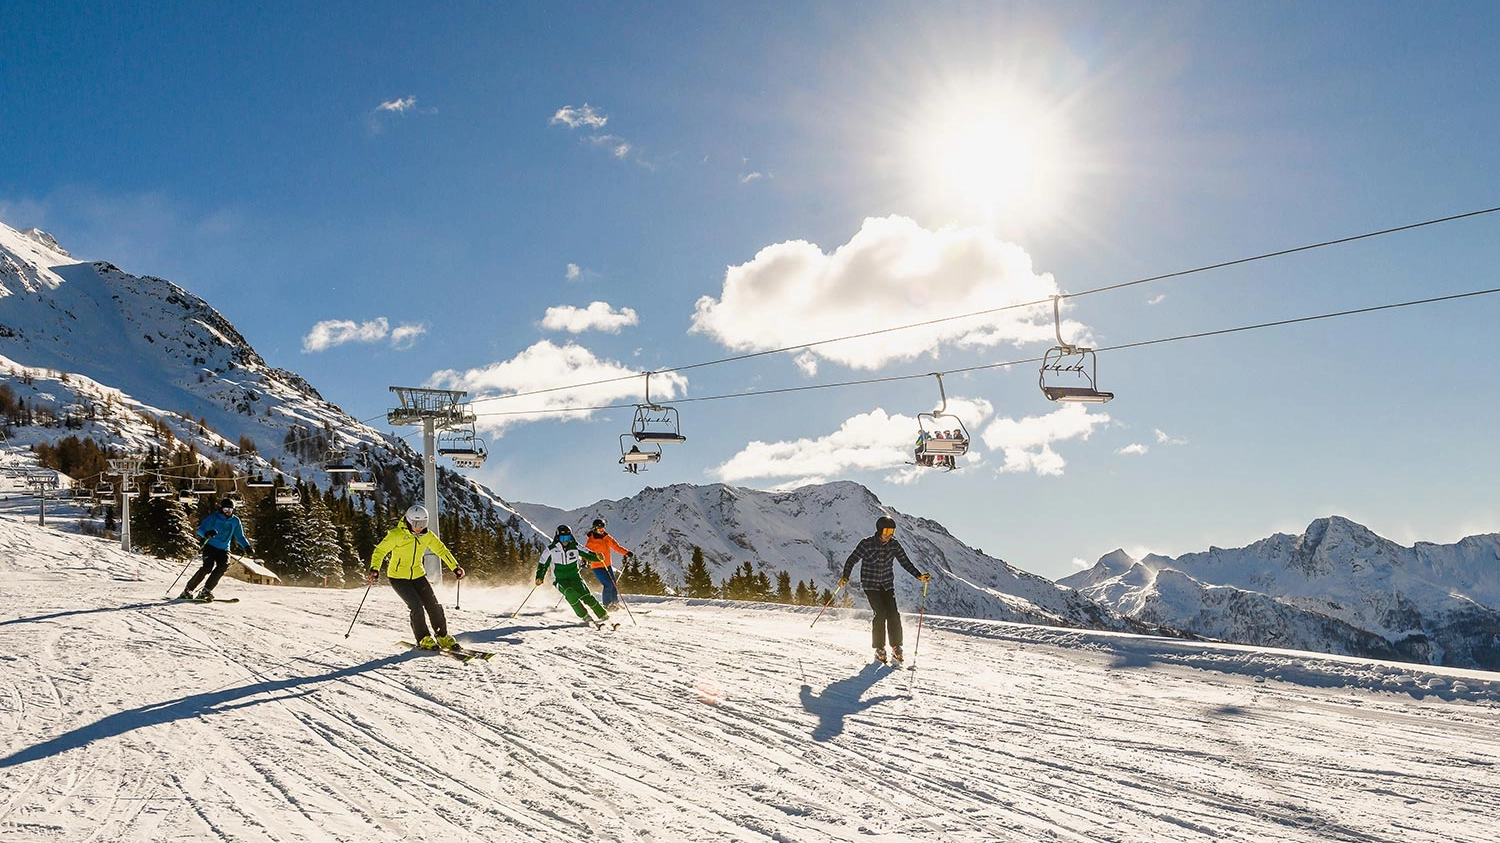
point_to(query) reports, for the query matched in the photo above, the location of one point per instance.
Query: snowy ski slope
(127, 718)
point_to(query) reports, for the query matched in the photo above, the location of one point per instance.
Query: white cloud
(584, 116)
(892, 272)
(1134, 449)
(1164, 438)
(750, 177)
(335, 332)
(1027, 443)
(404, 336)
(546, 365)
(591, 121)
(869, 441)
(573, 272)
(598, 316)
(398, 107)
(1156, 299)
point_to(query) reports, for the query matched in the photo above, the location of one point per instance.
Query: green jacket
(563, 559)
(407, 550)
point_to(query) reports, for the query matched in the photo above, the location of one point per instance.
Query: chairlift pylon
(938, 445)
(1068, 359)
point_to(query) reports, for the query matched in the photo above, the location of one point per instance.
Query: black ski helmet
(885, 522)
(599, 524)
(227, 503)
(563, 530)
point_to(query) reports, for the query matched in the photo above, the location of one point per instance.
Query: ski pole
(832, 597)
(921, 613)
(458, 590)
(523, 602)
(368, 584)
(173, 586)
(620, 597)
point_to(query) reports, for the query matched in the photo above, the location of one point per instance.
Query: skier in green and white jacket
(563, 556)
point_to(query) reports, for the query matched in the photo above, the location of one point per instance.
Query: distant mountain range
(123, 356)
(1336, 588)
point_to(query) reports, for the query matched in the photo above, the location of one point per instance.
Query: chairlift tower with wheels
(433, 410)
(128, 468)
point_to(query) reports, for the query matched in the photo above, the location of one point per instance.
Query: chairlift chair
(338, 463)
(1066, 359)
(287, 496)
(259, 481)
(205, 486)
(464, 447)
(633, 457)
(363, 483)
(159, 490)
(656, 423)
(939, 451)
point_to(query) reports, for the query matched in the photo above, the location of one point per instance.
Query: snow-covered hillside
(809, 532)
(120, 356)
(126, 718)
(1337, 587)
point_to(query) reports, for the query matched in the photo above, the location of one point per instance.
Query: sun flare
(991, 160)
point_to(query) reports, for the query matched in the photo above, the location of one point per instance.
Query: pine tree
(783, 587)
(322, 553)
(699, 582)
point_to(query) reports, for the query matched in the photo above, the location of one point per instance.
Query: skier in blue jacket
(219, 531)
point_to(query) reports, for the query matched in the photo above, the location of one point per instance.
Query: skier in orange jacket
(602, 543)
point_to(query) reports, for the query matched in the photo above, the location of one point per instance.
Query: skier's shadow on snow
(196, 705)
(842, 698)
(501, 635)
(155, 604)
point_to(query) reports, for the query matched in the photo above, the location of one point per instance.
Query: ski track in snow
(130, 718)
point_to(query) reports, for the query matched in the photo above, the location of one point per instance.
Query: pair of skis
(199, 600)
(463, 655)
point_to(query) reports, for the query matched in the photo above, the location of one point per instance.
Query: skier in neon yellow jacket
(407, 545)
(563, 556)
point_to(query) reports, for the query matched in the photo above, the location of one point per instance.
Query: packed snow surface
(129, 718)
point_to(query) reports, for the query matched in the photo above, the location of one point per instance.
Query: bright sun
(991, 160)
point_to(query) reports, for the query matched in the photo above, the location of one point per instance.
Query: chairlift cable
(1037, 303)
(1019, 362)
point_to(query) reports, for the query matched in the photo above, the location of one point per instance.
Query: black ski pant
(423, 604)
(215, 563)
(887, 621)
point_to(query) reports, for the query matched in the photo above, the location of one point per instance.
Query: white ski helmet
(416, 516)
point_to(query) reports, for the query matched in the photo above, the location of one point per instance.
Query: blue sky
(505, 197)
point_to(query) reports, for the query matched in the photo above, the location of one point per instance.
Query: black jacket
(876, 571)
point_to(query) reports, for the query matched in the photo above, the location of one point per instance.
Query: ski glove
(458, 573)
(538, 582)
(925, 577)
(843, 581)
(210, 534)
(373, 578)
(629, 556)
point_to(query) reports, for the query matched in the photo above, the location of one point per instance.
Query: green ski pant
(578, 595)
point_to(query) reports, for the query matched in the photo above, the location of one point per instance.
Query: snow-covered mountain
(1337, 587)
(123, 357)
(809, 533)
